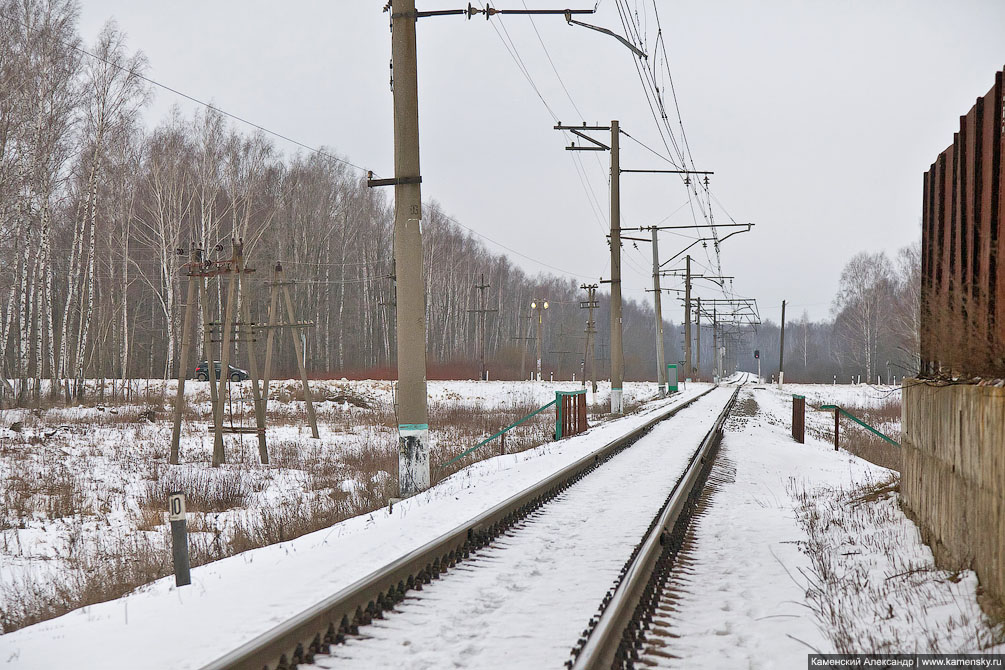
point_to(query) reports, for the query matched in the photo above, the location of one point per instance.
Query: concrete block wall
(953, 476)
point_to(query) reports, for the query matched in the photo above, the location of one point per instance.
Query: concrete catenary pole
(697, 325)
(715, 348)
(661, 372)
(781, 350)
(413, 417)
(591, 335)
(617, 353)
(687, 319)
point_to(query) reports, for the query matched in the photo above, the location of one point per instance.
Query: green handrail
(487, 440)
(861, 423)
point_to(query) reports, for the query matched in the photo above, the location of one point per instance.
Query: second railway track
(524, 577)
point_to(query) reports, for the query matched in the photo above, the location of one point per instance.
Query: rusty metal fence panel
(799, 418)
(962, 250)
(570, 413)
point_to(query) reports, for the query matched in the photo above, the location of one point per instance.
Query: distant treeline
(94, 208)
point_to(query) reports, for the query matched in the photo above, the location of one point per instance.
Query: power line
(194, 99)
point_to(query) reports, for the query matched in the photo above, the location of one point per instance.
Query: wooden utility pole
(482, 312)
(207, 340)
(219, 457)
(270, 338)
(299, 352)
(234, 268)
(661, 368)
(781, 350)
(278, 285)
(186, 346)
(687, 320)
(412, 410)
(591, 331)
(248, 337)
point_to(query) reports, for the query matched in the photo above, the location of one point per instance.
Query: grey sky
(818, 119)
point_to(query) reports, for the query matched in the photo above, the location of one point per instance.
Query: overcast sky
(818, 119)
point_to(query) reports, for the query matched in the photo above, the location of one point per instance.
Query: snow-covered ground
(234, 599)
(756, 593)
(753, 597)
(83, 489)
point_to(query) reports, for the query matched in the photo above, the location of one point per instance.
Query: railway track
(614, 638)
(515, 547)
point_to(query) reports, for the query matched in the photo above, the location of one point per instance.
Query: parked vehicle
(236, 374)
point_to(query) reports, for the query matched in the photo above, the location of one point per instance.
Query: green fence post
(558, 415)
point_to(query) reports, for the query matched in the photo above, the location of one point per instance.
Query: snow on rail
(241, 597)
(521, 601)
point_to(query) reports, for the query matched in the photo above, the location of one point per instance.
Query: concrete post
(687, 319)
(413, 417)
(661, 376)
(617, 353)
(697, 323)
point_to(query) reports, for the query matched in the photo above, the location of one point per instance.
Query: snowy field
(84, 489)
(802, 549)
(233, 599)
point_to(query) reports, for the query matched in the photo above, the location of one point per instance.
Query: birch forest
(99, 209)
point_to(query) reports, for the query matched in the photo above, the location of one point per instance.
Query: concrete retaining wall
(953, 476)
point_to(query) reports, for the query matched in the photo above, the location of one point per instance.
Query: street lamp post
(539, 307)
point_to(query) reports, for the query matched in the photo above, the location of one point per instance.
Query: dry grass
(205, 490)
(51, 482)
(873, 587)
(32, 490)
(885, 417)
(855, 439)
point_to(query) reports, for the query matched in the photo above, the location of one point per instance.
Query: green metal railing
(860, 422)
(489, 439)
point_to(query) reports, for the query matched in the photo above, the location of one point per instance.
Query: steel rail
(314, 630)
(605, 641)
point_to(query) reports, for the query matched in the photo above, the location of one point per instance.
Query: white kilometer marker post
(179, 538)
